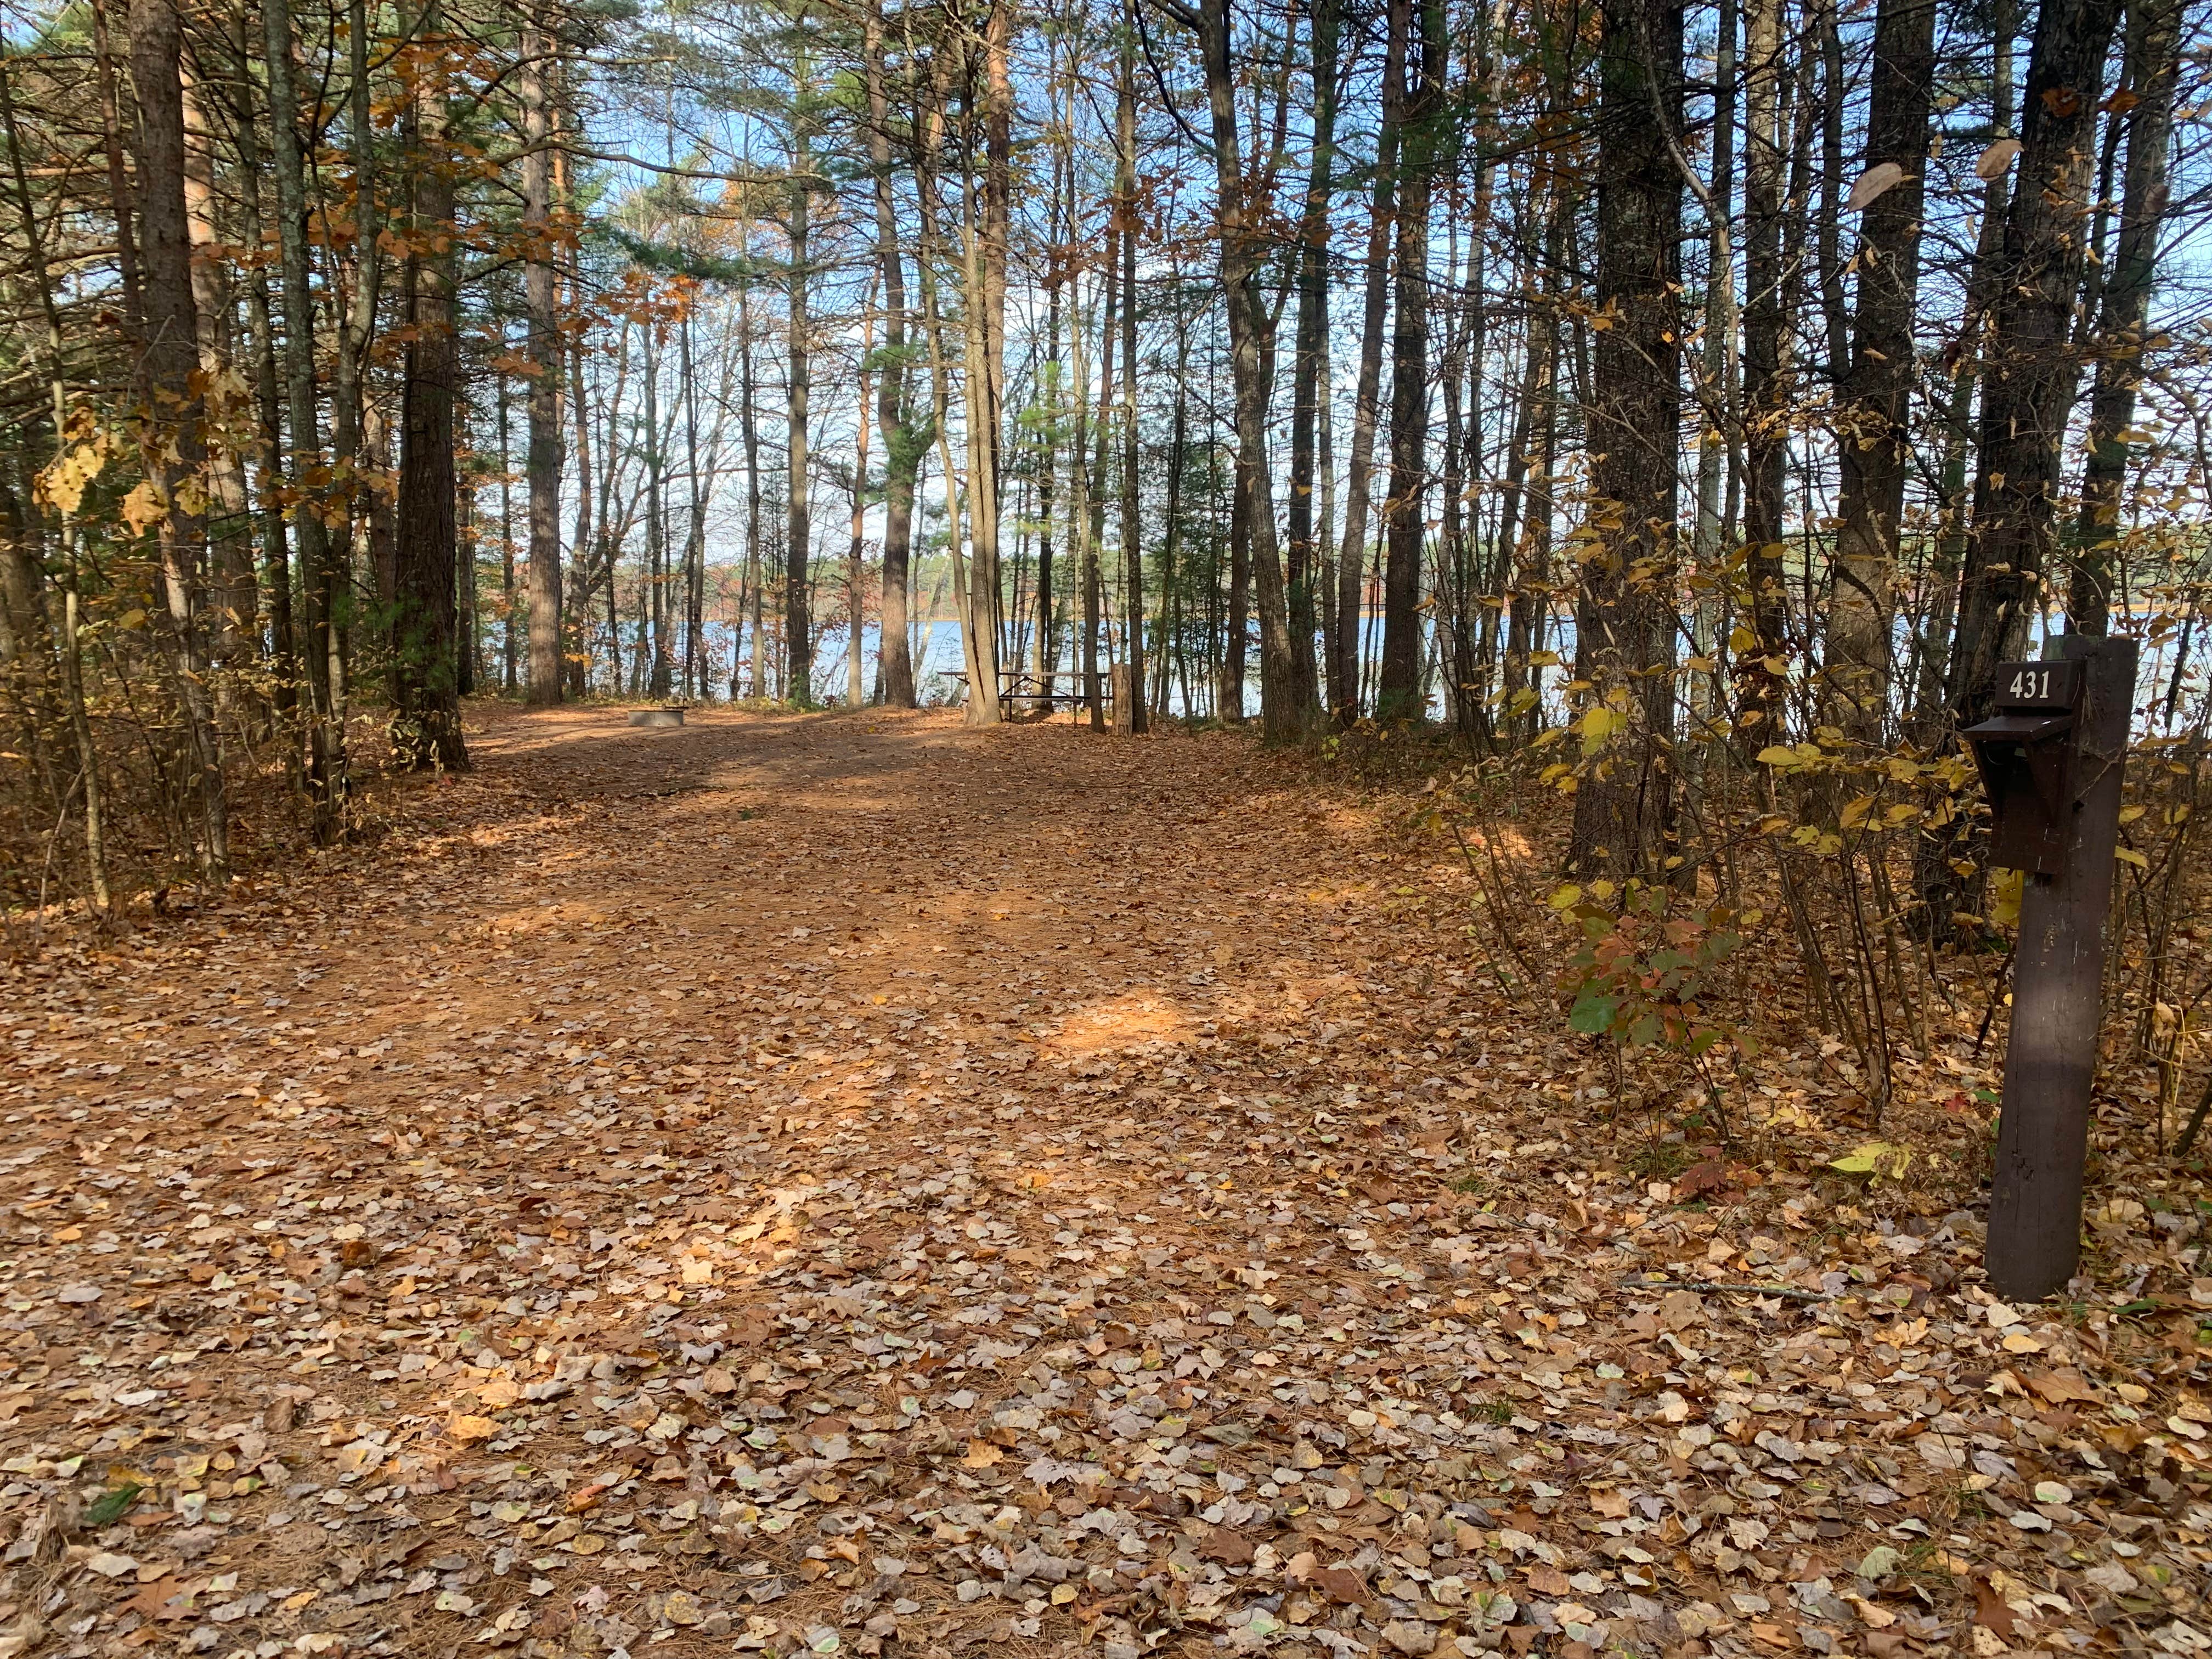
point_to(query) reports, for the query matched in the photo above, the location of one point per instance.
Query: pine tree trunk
(426, 714)
(798, 521)
(233, 590)
(1625, 615)
(902, 451)
(173, 450)
(1133, 716)
(540, 296)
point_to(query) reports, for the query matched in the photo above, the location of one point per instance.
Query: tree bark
(318, 578)
(902, 449)
(426, 711)
(171, 443)
(1352, 559)
(1873, 425)
(798, 521)
(2030, 379)
(540, 298)
(2154, 41)
(234, 592)
(1242, 252)
(1134, 717)
(1766, 398)
(1309, 349)
(1399, 692)
(1624, 613)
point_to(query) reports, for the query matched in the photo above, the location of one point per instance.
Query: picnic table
(1018, 686)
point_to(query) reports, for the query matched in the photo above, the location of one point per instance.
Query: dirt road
(851, 1183)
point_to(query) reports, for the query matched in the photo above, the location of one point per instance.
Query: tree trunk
(902, 449)
(234, 592)
(1760, 671)
(798, 521)
(1242, 249)
(319, 579)
(2154, 39)
(1399, 693)
(984, 273)
(426, 713)
(1351, 560)
(2029, 382)
(173, 448)
(1625, 615)
(539, 297)
(276, 576)
(1948, 557)
(1082, 546)
(1302, 553)
(856, 690)
(1132, 717)
(1872, 424)
(349, 496)
(509, 640)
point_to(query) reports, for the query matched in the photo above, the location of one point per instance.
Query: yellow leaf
(1876, 1157)
(2129, 856)
(62, 482)
(2004, 897)
(142, 507)
(1777, 754)
(472, 1428)
(1598, 725)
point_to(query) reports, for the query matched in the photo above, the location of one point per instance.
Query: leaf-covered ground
(849, 1183)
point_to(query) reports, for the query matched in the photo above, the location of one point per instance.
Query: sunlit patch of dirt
(1120, 1023)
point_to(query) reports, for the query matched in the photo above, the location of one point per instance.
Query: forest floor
(846, 1182)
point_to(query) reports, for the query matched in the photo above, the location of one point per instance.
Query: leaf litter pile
(851, 1185)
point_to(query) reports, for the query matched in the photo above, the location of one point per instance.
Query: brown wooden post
(2035, 1204)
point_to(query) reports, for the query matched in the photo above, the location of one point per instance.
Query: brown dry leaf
(1231, 1548)
(1990, 1609)
(1340, 1584)
(2060, 1388)
(1547, 1580)
(164, 1598)
(1678, 1310)
(1873, 184)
